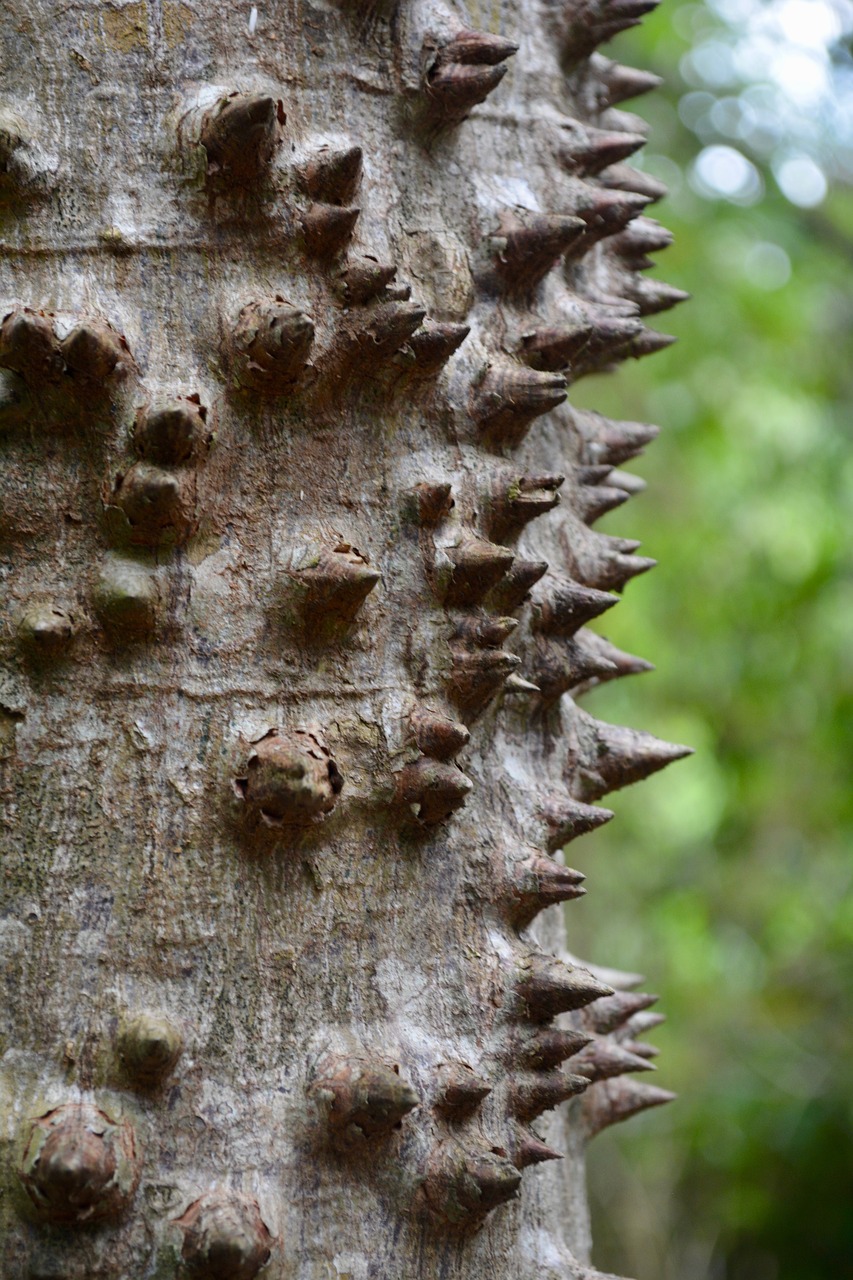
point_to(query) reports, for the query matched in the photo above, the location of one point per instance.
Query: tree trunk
(291, 296)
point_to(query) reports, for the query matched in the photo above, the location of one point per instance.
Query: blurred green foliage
(727, 880)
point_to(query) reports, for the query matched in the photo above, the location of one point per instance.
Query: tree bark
(295, 534)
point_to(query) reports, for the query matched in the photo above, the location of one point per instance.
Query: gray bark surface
(276, 984)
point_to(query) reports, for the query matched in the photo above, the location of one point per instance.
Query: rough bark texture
(297, 562)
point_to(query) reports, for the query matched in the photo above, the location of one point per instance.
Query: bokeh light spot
(801, 180)
(767, 266)
(721, 172)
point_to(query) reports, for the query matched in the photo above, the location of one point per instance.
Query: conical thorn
(596, 149)
(613, 1101)
(476, 567)
(460, 1089)
(332, 175)
(434, 502)
(240, 135)
(653, 296)
(363, 1101)
(537, 1092)
(514, 588)
(619, 84)
(607, 1015)
(552, 1045)
(338, 584)
(561, 606)
(567, 819)
(507, 399)
(482, 631)
(463, 1184)
(477, 675)
(528, 1149)
(29, 346)
(432, 789)
(540, 883)
(603, 1059)
(437, 735)
(524, 253)
(432, 346)
(328, 228)
(546, 986)
(463, 72)
(364, 278)
(645, 1021)
(612, 757)
(614, 442)
(513, 501)
(555, 350)
(270, 346)
(517, 684)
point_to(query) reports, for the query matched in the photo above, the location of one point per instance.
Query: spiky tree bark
(298, 566)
